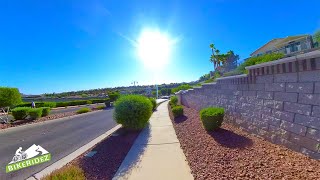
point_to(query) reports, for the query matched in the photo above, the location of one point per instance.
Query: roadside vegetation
(181, 87)
(83, 110)
(64, 103)
(8, 97)
(154, 103)
(177, 110)
(101, 107)
(66, 173)
(133, 111)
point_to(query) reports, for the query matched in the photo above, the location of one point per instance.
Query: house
(289, 46)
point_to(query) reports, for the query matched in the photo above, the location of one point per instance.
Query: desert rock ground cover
(109, 155)
(231, 153)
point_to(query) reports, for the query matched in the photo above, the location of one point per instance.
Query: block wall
(279, 102)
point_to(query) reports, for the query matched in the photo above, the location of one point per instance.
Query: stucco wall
(279, 101)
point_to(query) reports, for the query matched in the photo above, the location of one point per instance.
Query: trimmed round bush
(83, 110)
(177, 111)
(35, 113)
(45, 111)
(20, 113)
(154, 103)
(211, 118)
(132, 111)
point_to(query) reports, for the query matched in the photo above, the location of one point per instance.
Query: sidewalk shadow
(180, 119)
(110, 153)
(135, 154)
(230, 139)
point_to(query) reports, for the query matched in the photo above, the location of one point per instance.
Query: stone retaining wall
(279, 101)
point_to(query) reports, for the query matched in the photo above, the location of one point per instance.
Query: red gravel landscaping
(110, 154)
(231, 153)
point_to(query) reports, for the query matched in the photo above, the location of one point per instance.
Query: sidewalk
(156, 153)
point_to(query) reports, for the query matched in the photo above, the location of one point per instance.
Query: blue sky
(64, 45)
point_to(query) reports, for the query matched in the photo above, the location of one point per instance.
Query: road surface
(59, 137)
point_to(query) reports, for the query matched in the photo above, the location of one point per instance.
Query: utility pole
(157, 91)
(134, 84)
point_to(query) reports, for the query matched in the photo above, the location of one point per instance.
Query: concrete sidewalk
(156, 153)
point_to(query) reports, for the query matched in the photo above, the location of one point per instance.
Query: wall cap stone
(233, 77)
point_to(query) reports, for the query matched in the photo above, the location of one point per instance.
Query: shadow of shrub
(230, 139)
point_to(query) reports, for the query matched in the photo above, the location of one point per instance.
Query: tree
(231, 61)
(316, 37)
(216, 58)
(8, 97)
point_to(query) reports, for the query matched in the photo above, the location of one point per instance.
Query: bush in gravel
(177, 111)
(66, 173)
(45, 111)
(20, 113)
(211, 118)
(154, 103)
(132, 111)
(83, 110)
(173, 101)
(35, 113)
(100, 107)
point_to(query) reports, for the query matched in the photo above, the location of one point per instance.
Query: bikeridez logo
(32, 156)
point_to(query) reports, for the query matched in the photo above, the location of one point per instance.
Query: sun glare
(154, 48)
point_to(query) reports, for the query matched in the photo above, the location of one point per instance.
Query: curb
(46, 122)
(60, 163)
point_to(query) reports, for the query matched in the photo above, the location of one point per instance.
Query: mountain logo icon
(34, 155)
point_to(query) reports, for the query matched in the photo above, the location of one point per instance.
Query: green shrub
(173, 101)
(258, 60)
(177, 111)
(133, 111)
(66, 173)
(154, 103)
(83, 110)
(62, 104)
(100, 107)
(88, 102)
(114, 96)
(211, 118)
(45, 111)
(35, 113)
(24, 104)
(181, 87)
(20, 113)
(49, 104)
(209, 81)
(95, 101)
(9, 97)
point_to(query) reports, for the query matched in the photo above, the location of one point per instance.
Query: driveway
(59, 137)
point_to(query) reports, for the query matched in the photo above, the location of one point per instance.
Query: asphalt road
(59, 137)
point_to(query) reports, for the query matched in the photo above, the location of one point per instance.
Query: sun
(154, 48)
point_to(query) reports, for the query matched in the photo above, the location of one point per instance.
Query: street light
(134, 83)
